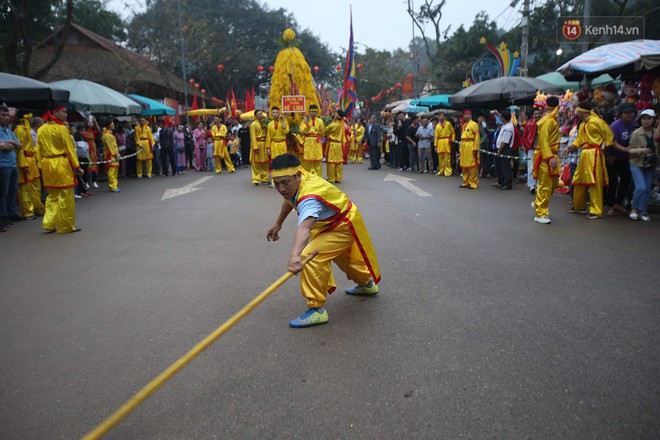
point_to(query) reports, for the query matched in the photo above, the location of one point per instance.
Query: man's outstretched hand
(272, 234)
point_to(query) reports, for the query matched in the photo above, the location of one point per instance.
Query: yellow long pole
(128, 407)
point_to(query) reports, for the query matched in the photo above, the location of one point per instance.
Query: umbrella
(416, 109)
(152, 107)
(88, 96)
(498, 91)
(434, 101)
(558, 79)
(616, 58)
(20, 91)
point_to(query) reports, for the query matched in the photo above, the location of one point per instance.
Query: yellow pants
(545, 187)
(595, 198)
(334, 171)
(112, 178)
(315, 168)
(471, 177)
(444, 164)
(259, 172)
(29, 197)
(228, 164)
(60, 210)
(139, 167)
(316, 277)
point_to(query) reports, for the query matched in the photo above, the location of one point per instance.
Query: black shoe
(506, 188)
(16, 218)
(497, 185)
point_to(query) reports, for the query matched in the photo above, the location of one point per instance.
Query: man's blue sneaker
(368, 289)
(313, 316)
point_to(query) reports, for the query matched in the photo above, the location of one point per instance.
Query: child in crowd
(234, 145)
(210, 163)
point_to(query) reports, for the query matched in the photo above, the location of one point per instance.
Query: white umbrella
(90, 97)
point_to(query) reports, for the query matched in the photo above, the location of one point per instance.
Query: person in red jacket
(529, 143)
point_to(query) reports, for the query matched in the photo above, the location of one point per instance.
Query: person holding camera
(643, 150)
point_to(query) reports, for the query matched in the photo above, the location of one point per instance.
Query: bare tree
(429, 12)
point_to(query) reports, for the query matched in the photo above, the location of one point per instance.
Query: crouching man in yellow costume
(328, 222)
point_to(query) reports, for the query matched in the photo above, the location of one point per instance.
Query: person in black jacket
(167, 150)
(372, 138)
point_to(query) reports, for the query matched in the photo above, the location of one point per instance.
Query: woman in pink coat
(200, 146)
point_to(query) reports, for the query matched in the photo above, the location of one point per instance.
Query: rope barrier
(493, 153)
(100, 162)
(166, 375)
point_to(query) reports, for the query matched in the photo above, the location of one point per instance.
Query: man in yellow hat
(329, 223)
(276, 133)
(591, 171)
(312, 129)
(546, 163)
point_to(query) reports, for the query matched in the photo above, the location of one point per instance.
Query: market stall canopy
(151, 107)
(615, 59)
(398, 106)
(502, 91)
(558, 79)
(416, 109)
(20, 91)
(433, 102)
(207, 111)
(90, 97)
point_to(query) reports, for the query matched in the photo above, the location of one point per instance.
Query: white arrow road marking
(173, 192)
(406, 182)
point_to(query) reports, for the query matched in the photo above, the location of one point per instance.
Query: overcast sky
(383, 25)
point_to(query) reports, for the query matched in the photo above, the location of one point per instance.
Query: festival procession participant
(90, 133)
(329, 223)
(259, 154)
(355, 153)
(335, 138)
(29, 182)
(276, 133)
(111, 153)
(219, 135)
(546, 167)
(57, 158)
(591, 172)
(9, 145)
(144, 141)
(444, 136)
(312, 129)
(200, 146)
(469, 150)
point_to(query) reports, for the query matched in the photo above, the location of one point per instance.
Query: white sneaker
(533, 207)
(77, 196)
(542, 220)
(645, 218)
(95, 185)
(633, 216)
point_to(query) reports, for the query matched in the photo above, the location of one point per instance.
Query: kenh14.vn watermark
(599, 29)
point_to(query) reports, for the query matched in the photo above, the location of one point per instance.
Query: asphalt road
(487, 326)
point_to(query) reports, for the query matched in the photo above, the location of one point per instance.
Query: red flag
(195, 107)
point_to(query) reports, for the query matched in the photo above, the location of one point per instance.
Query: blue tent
(432, 102)
(152, 107)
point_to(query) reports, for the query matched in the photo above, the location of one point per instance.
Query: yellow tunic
(144, 139)
(358, 134)
(357, 258)
(335, 139)
(470, 139)
(444, 134)
(56, 155)
(110, 149)
(219, 136)
(593, 133)
(258, 153)
(26, 157)
(276, 138)
(312, 133)
(547, 145)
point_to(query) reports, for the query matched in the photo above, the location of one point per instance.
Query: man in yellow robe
(591, 172)
(144, 140)
(546, 163)
(335, 139)
(330, 224)
(276, 133)
(469, 150)
(312, 129)
(355, 153)
(444, 136)
(259, 154)
(111, 153)
(220, 152)
(29, 182)
(57, 158)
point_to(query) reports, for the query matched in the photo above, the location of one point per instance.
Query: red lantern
(338, 67)
(399, 85)
(391, 89)
(271, 69)
(316, 69)
(221, 67)
(410, 76)
(260, 68)
(191, 81)
(203, 91)
(360, 66)
(387, 91)
(196, 85)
